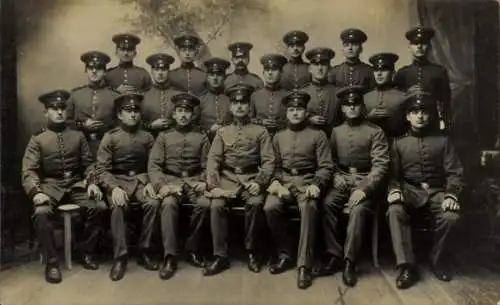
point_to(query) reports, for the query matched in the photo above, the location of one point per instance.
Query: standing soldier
(430, 77)
(361, 157)
(427, 176)
(55, 164)
(157, 106)
(296, 71)
(352, 71)
(240, 56)
(214, 104)
(240, 164)
(266, 106)
(126, 76)
(121, 161)
(90, 107)
(324, 108)
(177, 170)
(384, 103)
(304, 168)
(188, 77)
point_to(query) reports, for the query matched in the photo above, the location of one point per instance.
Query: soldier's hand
(269, 123)
(92, 125)
(215, 127)
(160, 124)
(317, 120)
(119, 197)
(339, 182)
(313, 191)
(253, 188)
(283, 192)
(164, 192)
(93, 192)
(124, 88)
(200, 187)
(149, 191)
(450, 204)
(176, 189)
(40, 199)
(356, 197)
(394, 197)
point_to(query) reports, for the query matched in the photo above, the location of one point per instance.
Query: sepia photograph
(250, 152)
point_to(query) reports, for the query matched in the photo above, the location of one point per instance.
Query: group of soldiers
(340, 139)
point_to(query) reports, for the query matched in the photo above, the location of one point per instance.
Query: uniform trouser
(399, 218)
(93, 212)
(150, 208)
(219, 221)
(169, 214)
(275, 211)
(334, 203)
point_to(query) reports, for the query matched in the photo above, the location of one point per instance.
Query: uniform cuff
(451, 196)
(33, 191)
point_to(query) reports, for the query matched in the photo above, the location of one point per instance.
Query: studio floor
(24, 285)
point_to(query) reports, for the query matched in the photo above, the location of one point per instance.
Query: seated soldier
(304, 168)
(361, 157)
(121, 161)
(55, 164)
(240, 164)
(427, 175)
(177, 170)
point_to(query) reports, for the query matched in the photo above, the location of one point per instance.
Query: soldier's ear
(360, 48)
(408, 116)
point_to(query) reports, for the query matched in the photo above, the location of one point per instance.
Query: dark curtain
(459, 45)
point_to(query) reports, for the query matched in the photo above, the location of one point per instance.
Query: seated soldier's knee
(255, 201)
(100, 206)
(395, 210)
(359, 210)
(42, 211)
(151, 204)
(217, 205)
(451, 218)
(308, 205)
(169, 202)
(202, 202)
(272, 204)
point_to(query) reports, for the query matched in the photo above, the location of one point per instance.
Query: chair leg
(67, 240)
(375, 240)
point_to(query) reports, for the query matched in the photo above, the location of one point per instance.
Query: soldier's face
(239, 109)
(183, 116)
(215, 80)
(56, 115)
(418, 118)
(271, 75)
(318, 71)
(295, 50)
(130, 117)
(351, 111)
(241, 61)
(95, 74)
(351, 50)
(382, 76)
(296, 115)
(159, 75)
(125, 55)
(187, 55)
(419, 49)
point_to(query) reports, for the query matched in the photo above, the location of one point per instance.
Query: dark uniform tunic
(178, 158)
(93, 102)
(244, 77)
(426, 170)
(303, 158)
(266, 103)
(324, 103)
(433, 78)
(188, 78)
(361, 157)
(214, 109)
(390, 99)
(240, 153)
(56, 162)
(157, 104)
(295, 75)
(121, 161)
(347, 73)
(128, 74)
